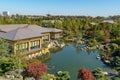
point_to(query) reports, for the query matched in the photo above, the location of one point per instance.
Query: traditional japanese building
(27, 39)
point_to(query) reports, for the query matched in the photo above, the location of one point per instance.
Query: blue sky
(61, 7)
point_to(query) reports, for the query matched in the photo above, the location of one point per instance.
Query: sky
(61, 7)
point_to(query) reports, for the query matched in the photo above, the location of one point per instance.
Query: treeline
(71, 25)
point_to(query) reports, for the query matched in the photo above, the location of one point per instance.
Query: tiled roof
(20, 33)
(10, 27)
(23, 31)
(43, 29)
(54, 30)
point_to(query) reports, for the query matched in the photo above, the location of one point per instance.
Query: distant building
(93, 23)
(108, 21)
(5, 13)
(52, 21)
(48, 15)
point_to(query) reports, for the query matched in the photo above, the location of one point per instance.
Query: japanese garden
(88, 48)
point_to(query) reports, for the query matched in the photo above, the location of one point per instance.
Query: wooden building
(27, 39)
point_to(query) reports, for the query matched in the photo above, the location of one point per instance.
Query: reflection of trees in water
(44, 57)
(56, 49)
(81, 47)
(88, 52)
(101, 52)
(78, 50)
(91, 51)
(51, 67)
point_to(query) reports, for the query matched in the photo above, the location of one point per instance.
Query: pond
(72, 59)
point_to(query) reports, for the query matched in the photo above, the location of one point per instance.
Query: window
(57, 35)
(46, 38)
(10, 46)
(22, 47)
(35, 44)
(52, 35)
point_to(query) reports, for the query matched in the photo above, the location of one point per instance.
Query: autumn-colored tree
(36, 69)
(85, 74)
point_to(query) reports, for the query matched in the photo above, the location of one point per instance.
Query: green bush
(92, 42)
(8, 63)
(116, 78)
(63, 75)
(48, 77)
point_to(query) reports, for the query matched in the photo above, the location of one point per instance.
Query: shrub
(85, 74)
(8, 63)
(48, 77)
(63, 75)
(36, 69)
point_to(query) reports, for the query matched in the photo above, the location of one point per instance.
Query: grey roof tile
(23, 31)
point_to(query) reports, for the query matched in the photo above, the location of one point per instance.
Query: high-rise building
(5, 13)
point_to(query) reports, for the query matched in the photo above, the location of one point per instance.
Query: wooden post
(14, 48)
(49, 37)
(29, 45)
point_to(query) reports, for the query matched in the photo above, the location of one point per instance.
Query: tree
(114, 46)
(117, 78)
(58, 24)
(3, 47)
(98, 73)
(101, 34)
(117, 63)
(36, 69)
(115, 32)
(8, 63)
(85, 74)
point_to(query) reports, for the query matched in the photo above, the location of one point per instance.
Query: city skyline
(61, 7)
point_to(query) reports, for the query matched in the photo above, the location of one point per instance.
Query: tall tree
(115, 32)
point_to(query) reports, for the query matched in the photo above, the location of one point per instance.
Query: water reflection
(55, 50)
(82, 48)
(44, 58)
(70, 58)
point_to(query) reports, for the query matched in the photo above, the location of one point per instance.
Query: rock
(19, 71)
(9, 74)
(18, 76)
(14, 75)
(29, 78)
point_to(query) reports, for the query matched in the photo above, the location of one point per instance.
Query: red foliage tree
(91, 32)
(85, 74)
(36, 69)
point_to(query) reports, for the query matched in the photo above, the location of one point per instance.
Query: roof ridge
(26, 26)
(16, 30)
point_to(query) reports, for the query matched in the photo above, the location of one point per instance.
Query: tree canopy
(85, 74)
(36, 69)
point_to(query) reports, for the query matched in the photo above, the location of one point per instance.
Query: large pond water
(71, 59)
